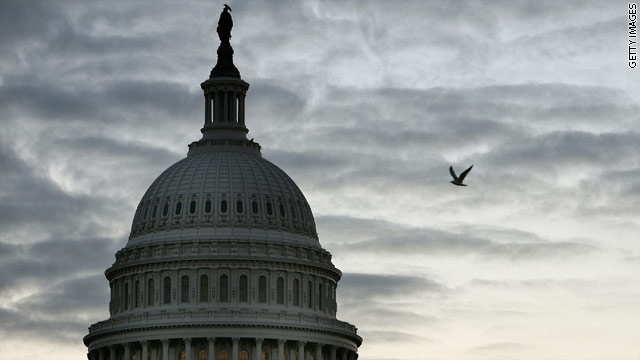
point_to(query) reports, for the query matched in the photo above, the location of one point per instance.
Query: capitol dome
(222, 194)
(223, 260)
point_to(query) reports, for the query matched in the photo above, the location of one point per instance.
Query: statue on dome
(225, 24)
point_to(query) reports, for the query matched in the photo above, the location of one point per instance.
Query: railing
(222, 317)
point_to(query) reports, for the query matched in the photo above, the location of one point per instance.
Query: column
(301, 354)
(207, 110)
(332, 353)
(234, 348)
(216, 106)
(165, 349)
(225, 101)
(319, 351)
(258, 352)
(145, 349)
(187, 348)
(281, 349)
(241, 110)
(234, 107)
(344, 353)
(212, 348)
(101, 354)
(127, 351)
(112, 353)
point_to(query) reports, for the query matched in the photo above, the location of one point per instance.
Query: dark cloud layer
(381, 237)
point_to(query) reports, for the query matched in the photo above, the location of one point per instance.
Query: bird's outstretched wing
(464, 173)
(453, 172)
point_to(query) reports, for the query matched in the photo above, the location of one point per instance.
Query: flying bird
(457, 180)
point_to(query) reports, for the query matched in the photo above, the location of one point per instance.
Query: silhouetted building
(223, 260)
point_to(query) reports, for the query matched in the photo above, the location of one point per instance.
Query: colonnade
(224, 106)
(221, 349)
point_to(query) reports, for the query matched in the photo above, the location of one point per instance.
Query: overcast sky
(365, 105)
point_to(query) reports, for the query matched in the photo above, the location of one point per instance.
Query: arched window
(223, 206)
(296, 292)
(244, 355)
(126, 296)
(150, 292)
(262, 289)
(265, 356)
(282, 212)
(204, 288)
(207, 206)
(320, 297)
(136, 294)
(309, 294)
(244, 288)
(254, 207)
(223, 355)
(167, 291)
(178, 207)
(269, 208)
(192, 207)
(203, 355)
(165, 209)
(280, 290)
(181, 356)
(224, 288)
(184, 289)
(239, 207)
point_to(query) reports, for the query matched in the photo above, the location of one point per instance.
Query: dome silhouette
(223, 260)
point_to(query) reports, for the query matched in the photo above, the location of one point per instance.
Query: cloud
(372, 286)
(500, 347)
(45, 261)
(382, 237)
(382, 336)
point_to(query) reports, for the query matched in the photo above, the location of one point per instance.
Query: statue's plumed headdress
(226, 7)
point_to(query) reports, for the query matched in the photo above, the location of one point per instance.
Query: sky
(365, 104)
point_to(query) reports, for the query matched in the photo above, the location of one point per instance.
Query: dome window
(126, 296)
(150, 292)
(204, 288)
(282, 211)
(262, 290)
(309, 295)
(167, 291)
(223, 206)
(165, 209)
(207, 206)
(244, 288)
(239, 207)
(178, 207)
(136, 294)
(184, 289)
(269, 208)
(224, 288)
(155, 210)
(280, 291)
(254, 207)
(296, 292)
(192, 207)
